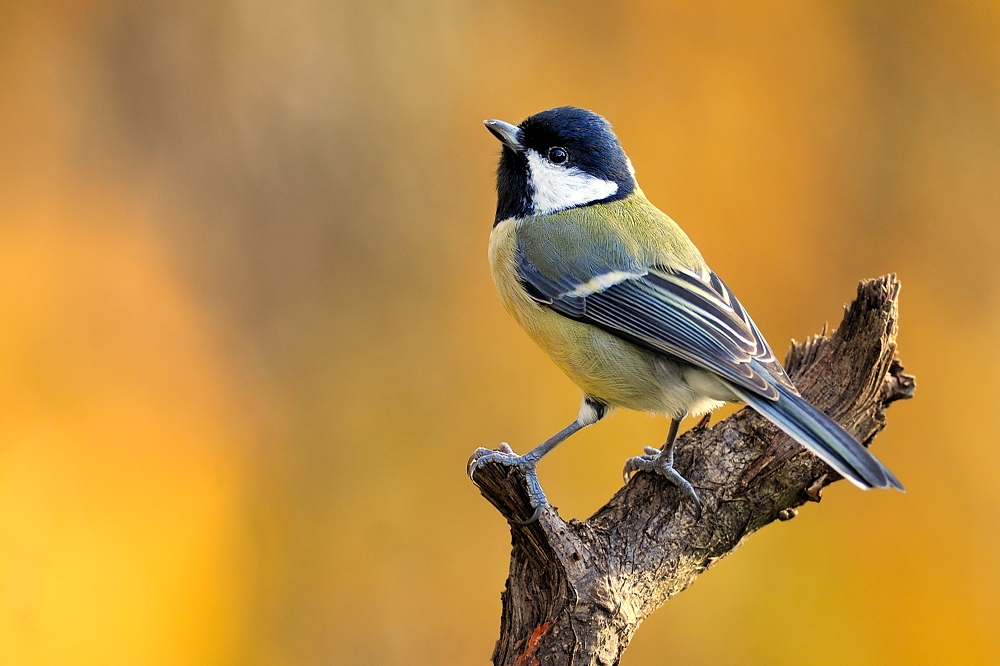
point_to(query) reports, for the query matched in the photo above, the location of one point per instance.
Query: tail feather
(823, 436)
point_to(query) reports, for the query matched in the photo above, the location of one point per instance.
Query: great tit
(621, 299)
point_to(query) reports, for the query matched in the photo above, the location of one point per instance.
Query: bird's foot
(662, 463)
(505, 455)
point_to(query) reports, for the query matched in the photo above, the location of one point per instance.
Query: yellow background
(248, 338)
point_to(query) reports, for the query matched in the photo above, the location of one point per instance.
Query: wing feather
(692, 316)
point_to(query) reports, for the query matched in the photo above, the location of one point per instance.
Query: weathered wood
(577, 591)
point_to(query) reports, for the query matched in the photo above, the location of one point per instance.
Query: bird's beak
(509, 134)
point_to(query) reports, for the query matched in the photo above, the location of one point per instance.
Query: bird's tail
(823, 436)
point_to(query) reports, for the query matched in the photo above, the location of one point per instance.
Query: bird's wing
(692, 316)
(689, 313)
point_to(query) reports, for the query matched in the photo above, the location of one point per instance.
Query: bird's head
(558, 159)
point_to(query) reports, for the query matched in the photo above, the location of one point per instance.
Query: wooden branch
(577, 591)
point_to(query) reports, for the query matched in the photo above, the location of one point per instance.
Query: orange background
(248, 338)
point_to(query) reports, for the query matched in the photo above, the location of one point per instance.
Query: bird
(619, 297)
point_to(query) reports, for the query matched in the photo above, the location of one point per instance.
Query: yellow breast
(601, 364)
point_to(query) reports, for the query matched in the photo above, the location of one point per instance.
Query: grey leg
(661, 461)
(591, 411)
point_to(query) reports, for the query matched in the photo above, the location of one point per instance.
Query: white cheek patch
(558, 187)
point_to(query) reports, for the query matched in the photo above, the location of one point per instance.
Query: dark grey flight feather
(824, 437)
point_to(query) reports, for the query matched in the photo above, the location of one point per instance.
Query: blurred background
(248, 338)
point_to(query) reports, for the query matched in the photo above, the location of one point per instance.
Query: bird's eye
(558, 155)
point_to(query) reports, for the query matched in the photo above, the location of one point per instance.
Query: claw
(682, 484)
(478, 458)
(660, 462)
(534, 517)
(627, 471)
(471, 467)
(638, 464)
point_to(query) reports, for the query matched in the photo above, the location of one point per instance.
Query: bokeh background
(248, 337)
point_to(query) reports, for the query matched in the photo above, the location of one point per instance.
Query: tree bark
(577, 591)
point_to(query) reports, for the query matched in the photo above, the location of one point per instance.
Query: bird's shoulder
(629, 234)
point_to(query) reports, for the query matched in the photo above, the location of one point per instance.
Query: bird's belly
(621, 373)
(602, 365)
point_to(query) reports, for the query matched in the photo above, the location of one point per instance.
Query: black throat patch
(513, 186)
